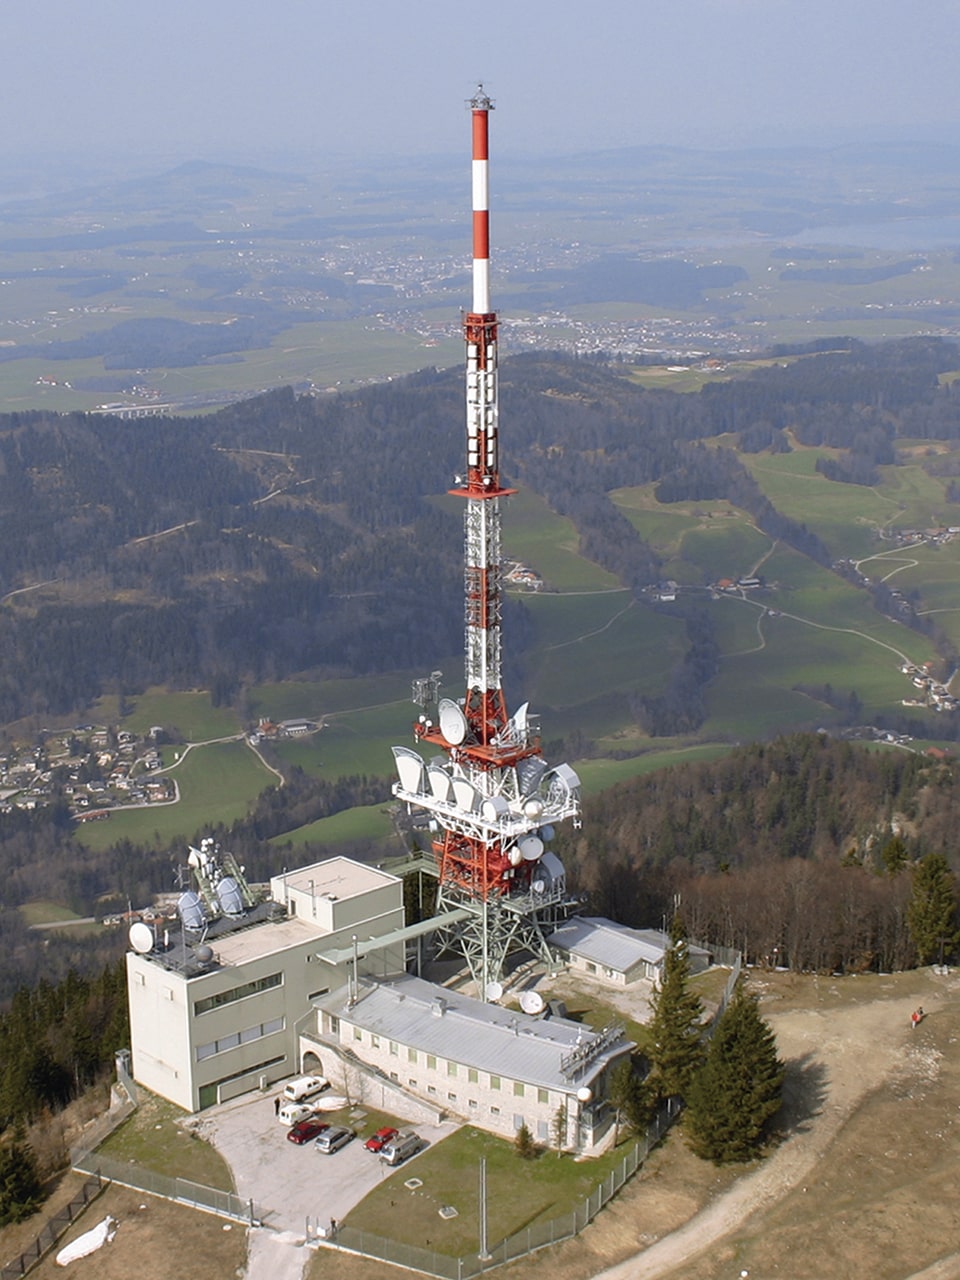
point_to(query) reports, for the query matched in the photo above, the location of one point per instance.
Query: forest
(277, 536)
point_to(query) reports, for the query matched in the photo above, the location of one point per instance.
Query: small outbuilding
(614, 953)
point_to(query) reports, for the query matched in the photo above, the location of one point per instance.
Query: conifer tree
(932, 913)
(20, 1188)
(676, 1051)
(738, 1090)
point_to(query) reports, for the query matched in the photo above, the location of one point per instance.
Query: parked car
(377, 1141)
(294, 1112)
(334, 1138)
(401, 1148)
(305, 1087)
(305, 1131)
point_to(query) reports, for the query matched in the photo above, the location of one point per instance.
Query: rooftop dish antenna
(531, 1002)
(493, 991)
(141, 938)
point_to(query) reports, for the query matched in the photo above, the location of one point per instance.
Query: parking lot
(288, 1183)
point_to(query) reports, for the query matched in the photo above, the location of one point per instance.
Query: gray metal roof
(441, 1022)
(613, 945)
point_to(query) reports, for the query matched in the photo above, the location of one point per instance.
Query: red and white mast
(491, 797)
(484, 706)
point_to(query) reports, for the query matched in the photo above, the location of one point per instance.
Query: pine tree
(524, 1143)
(20, 1188)
(738, 1090)
(676, 1052)
(932, 913)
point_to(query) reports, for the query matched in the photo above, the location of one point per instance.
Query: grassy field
(519, 1193)
(190, 714)
(153, 1139)
(547, 543)
(217, 783)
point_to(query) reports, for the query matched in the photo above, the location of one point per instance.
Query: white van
(305, 1087)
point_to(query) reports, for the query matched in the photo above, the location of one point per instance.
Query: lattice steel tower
(490, 795)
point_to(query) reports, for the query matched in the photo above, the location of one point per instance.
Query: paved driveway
(288, 1183)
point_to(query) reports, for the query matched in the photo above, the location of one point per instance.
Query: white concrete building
(205, 1028)
(614, 953)
(493, 1067)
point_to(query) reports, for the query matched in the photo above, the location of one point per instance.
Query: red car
(305, 1131)
(380, 1139)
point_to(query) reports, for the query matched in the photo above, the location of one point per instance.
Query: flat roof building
(217, 1016)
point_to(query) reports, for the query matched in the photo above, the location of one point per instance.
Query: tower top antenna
(480, 100)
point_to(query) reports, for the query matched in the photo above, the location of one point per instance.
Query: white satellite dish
(531, 1002)
(533, 808)
(584, 1094)
(193, 858)
(494, 808)
(493, 991)
(453, 723)
(514, 856)
(410, 768)
(465, 795)
(531, 848)
(141, 937)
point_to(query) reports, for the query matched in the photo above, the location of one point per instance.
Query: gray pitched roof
(613, 945)
(441, 1022)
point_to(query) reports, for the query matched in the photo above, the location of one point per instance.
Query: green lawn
(217, 783)
(153, 1139)
(190, 714)
(548, 544)
(519, 1192)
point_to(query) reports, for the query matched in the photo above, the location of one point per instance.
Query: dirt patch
(154, 1241)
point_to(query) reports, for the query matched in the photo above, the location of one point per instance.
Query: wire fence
(54, 1229)
(223, 1203)
(530, 1239)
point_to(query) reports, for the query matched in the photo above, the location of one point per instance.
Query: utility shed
(614, 953)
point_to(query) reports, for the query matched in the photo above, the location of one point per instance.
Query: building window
(451, 1097)
(412, 1084)
(494, 1111)
(431, 1088)
(591, 967)
(237, 993)
(518, 1121)
(412, 1056)
(315, 995)
(394, 1048)
(357, 1033)
(334, 1024)
(394, 1076)
(473, 1075)
(431, 1062)
(543, 1095)
(235, 1038)
(518, 1089)
(374, 1042)
(451, 1068)
(494, 1082)
(543, 1131)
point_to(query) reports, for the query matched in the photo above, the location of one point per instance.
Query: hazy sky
(182, 79)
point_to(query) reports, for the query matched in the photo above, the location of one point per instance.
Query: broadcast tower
(489, 796)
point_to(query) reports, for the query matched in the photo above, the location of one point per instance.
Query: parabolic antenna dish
(204, 954)
(453, 723)
(493, 808)
(531, 1002)
(190, 910)
(439, 783)
(410, 768)
(465, 795)
(584, 1094)
(492, 992)
(141, 937)
(514, 856)
(531, 848)
(230, 897)
(193, 858)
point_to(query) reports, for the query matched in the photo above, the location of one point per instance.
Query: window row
(237, 993)
(237, 1038)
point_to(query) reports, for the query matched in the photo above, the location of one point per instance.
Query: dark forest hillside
(278, 535)
(797, 851)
